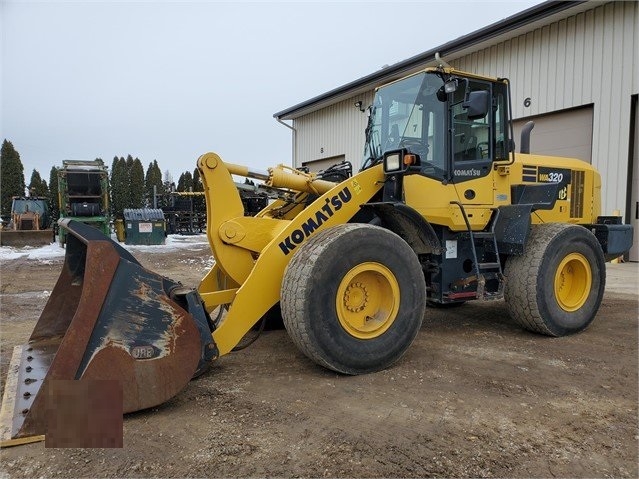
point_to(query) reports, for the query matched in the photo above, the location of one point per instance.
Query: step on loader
(441, 213)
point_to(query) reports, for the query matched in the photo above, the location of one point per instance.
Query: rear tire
(353, 298)
(556, 286)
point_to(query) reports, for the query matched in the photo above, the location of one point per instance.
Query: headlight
(392, 162)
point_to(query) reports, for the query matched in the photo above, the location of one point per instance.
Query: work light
(392, 162)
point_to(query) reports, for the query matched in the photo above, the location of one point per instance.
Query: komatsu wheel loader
(442, 212)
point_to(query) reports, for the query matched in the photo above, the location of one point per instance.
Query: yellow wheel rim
(367, 300)
(573, 281)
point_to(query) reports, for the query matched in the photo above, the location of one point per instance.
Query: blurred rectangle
(85, 413)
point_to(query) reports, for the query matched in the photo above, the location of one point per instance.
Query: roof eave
(415, 63)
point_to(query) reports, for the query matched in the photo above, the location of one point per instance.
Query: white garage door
(564, 133)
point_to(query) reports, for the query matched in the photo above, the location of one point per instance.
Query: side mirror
(476, 105)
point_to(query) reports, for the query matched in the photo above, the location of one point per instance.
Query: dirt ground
(474, 396)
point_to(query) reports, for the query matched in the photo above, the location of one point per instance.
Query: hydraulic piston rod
(283, 177)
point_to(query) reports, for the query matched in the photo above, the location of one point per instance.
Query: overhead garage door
(634, 187)
(321, 165)
(563, 133)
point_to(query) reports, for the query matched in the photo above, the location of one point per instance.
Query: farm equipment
(83, 194)
(30, 223)
(186, 210)
(442, 212)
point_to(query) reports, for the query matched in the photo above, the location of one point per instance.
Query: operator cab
(410, 121)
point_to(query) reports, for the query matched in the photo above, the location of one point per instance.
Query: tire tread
(295, 289)
(522, 276)
(301, 281)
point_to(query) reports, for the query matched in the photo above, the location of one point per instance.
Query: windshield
(408, 114)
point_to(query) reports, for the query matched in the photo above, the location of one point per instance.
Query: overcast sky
(172, 80)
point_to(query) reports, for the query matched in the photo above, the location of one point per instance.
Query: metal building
(574, 70)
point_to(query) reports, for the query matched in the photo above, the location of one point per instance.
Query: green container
(144, 226)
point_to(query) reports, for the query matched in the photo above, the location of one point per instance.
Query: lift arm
(251, 253)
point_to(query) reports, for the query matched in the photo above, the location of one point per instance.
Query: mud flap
(108, 318)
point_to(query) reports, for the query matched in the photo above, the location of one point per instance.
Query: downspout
(294, 138)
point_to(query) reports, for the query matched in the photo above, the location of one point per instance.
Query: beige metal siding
(587, 58)
(334, 131)
(565, 133)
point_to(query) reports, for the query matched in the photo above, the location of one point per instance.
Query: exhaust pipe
(525, 137)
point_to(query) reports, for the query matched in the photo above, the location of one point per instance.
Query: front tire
(556, 286)
(353, 298)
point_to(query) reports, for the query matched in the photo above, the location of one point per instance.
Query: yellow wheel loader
(442, 212)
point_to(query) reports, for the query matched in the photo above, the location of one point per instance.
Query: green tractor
(83, 194)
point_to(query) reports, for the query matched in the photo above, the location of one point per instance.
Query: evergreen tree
(167, 179)
(136, 186)
(185, 183)
(113, 192)
(153, 178)
(11, 176)
(199, 204)
(119, 184)
(161, 189)
(114, 188)
(168, 186)
(197, 181)
(38, 186)
(53, 194)
(127, 191)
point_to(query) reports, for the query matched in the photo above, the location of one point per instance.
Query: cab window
(472, 146)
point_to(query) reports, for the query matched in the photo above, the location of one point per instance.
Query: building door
(565, 133)
(633, 209)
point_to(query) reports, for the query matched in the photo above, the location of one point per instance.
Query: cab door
(472, 127)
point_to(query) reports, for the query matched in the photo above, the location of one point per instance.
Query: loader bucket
(108, 318)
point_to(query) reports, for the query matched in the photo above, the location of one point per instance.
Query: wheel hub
(367, 300)
(356, 297)
(573, 281)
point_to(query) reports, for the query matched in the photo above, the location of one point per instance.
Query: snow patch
(173, 243)
(28, 295)
(53, 251)
(42, 253)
